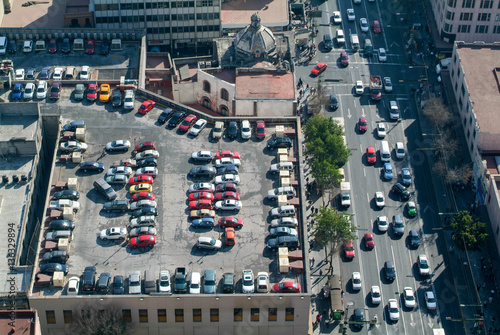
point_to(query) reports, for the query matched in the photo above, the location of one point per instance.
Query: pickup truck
(180, 284)
(376, 87)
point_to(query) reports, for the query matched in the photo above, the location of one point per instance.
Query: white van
(444, 64)
(3, 45)
(195, 283)
(355, 42)
(385, 152)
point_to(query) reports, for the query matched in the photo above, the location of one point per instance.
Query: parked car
(66, 194)
(58, 73)
(116, 206)
(165, 115)
(55, 90)
(29, 91)
(88, 279)
(116, 98)
(91, 166)
(198, 127)
(85, 72)
(207, 187)
(138, 231)
(164, 283)
(119, 170)
(134, 283)
(227, 178)
(90, 48)
(142, 196)
(73, 146)
(246, 131)
(228, 205)
(148, 171)
(202, 156)
(208, 243)
(105, 46)
(286, 287)
(114, 233)
(41, 90)
(232, 130)
(203, 172)
(227, 154)
(146, 106)
(61, 225)
(53, 267)
(79, 92)
(66, 46)
(227, 161)
(92, 92)
(17, 92)
(230, 221)
(141, 179)
(247, 281)
(143, 241)
(203, 223)
(125, 162)
(218, 130)
(56, 256)
(176, 119)
(260, 130)
(279, 142)
(73, 285)
(118, 285)
(104, 93)
(187, 122)
(45, 73)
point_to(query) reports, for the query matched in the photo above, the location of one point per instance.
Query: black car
(202, 171)
(104, 48)
(401, 191)
(176, 119)
(147, 162)
(230, 169)
(359, 318)
(118, 286)
(45, 73)
(414, 239)
(327, 42)
(232, 130)
(104, 283)
(66, 194)
(12, 48)
(116, 100)
(88, 279)
(61, 225)
(165, 115)
(116, 206)
(228, 282)
(145, 211)
(56, 256)
(73, 125)
(52, 267)
(334, 102)
(389, 270)
(66, 46)
(279, 142)
(92, 166)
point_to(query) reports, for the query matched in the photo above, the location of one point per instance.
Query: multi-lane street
(366, 179)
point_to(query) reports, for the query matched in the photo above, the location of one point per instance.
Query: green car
(411, 209)
(79, 92)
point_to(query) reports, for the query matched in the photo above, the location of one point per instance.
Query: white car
(337, 18)
(201, 187)
(382, 55)
(85, 73)
(364, 25)
(41, 90)
(142, 221)
(284, 222)
(381, 130)
(379, 199)
(359, 87)
(20, 74)
(198, 127)
(382, 223)
(400, 150)
(202, 156)
(409, 297)
(227, 178)
(340, 36)
(164, 282)
(129, 99)
(387, 84)
(228, 205)
(392, 307)
(423, 265)
(28, 46)
(276, 168)
(73, 285)
(114, 233)
(357, 2)
(134, 282)
(247, 281)
(65, 203)
(73, 146)
(263, 282)
(227, 161)
(58, 73)
(375, 295)
(142, 203)
(246, 131)
(350, 14)
(147, 154)
(195, 283)
(29, 91)
(430, 300)
(119, 145)
(356, 281)
(138, 231)
(148, 170)
(126, 170)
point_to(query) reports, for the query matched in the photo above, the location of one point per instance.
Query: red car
(362, 125)
(349, 249)
(142, 196)
(200, 204)
(141, 179)
(226, 187)
(52, 46)
(90, 49)
(286, 287)
(376, 27)
(371, 155)
(369, 242)
(146, 106)
(319, 68)
(227, 153)
(344, 58)
(260, 131)
(145, 146)
(230, 221)
(143, 241)
(188, 122)
(201, 196)
(227, 195)
(92, 92)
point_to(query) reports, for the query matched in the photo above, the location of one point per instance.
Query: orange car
(104, 93)
(229, 238)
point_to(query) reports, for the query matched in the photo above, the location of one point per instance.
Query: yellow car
(202, 213)
(141, 188)
(104, 93)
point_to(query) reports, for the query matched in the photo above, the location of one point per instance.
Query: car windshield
(92, 90)
(423, 264)
(54, 89)
(135, 283)
(130, 99)
(376, 294)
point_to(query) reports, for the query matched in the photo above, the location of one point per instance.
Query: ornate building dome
(255, 41)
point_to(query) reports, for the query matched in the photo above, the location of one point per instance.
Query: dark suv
(66, 194)
(232, 130)
(401, 191)
(327, 42)
(61, 225)
(56, 256)
(116, 100)
(116, 206)
(228, 281)
(291, 242)
(104, 283)
(389, 270)
(279, 142)
(88, 279)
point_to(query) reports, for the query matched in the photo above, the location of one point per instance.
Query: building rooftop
(237, 13)
(25, 322)
(40, 15)
(265, 85)
(15, 127)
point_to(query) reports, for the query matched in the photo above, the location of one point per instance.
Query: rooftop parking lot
(175, 236)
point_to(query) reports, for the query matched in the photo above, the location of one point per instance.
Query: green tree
(331, 229)
(469, 232)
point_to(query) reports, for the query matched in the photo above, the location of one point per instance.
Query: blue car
(387, 171)
(17, 92)
(203, 223)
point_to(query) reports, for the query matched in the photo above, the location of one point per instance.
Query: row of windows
(173, 4)
(472, 3)
(190, 29)
(161, 315)
(224, 94)
(158, 18)
(465, 28)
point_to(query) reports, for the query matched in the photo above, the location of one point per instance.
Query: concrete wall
(268, 108)
(216, 86)
(85, 33)
(493, 207)
(185, 93)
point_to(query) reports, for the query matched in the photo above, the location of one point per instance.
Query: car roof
(388, 264)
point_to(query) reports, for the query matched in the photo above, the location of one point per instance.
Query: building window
(468, 3)
(289, 314)
(453, 73)
(254, 314)
(448, 27)
(486, 3)
(197, 315)
(206, 86)
(127, 315)
(463, 89)
(273, 314)
(450, 15)
(481, 29)
(465, 16)
(205, 102)
(224, 111)
(214, 315)
(474, 133)
(204, 3)
(143, 315)
(68, 316)
(238, 314)
(483, 16)
(162, 315)
(464, 28)
(179, 315)
(452, 3)
(51, 316)
(460, 103)
(496, 30)
(468, 134)
(224, 95)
